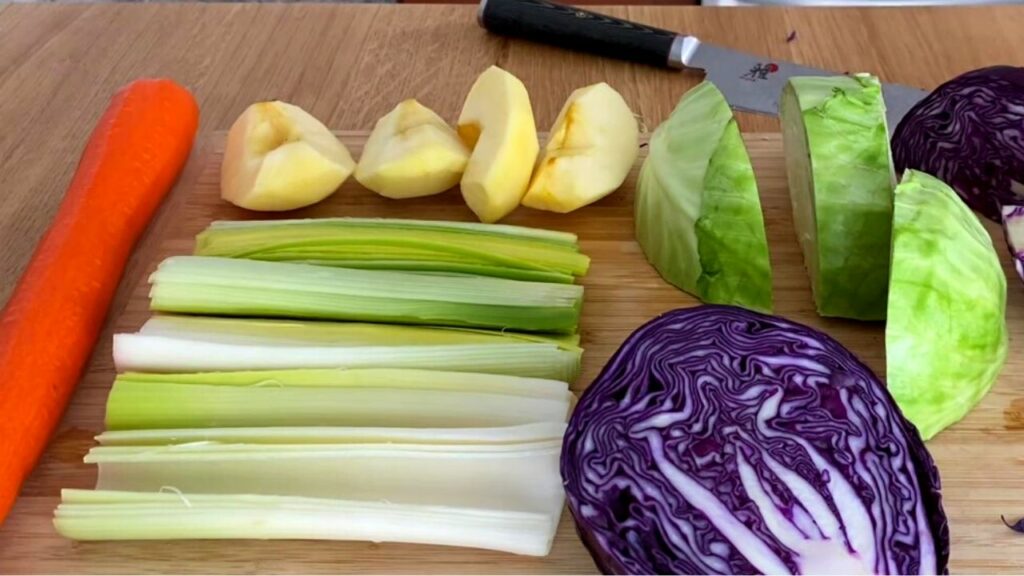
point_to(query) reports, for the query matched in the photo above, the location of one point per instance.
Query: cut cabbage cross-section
(722, 441)
(840, 183)
(698, 215)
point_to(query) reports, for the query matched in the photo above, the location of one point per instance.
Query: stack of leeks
(286, 414)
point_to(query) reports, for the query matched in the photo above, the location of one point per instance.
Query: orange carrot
(53, 319)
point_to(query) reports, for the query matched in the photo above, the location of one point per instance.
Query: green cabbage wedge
(946, 339)
(698, 215)
(840, 181)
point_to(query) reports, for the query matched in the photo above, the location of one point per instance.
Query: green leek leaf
(235, 287)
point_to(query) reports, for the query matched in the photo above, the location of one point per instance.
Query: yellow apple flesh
(411, 152)
(497, 125)
(279, 157)
(592, 147)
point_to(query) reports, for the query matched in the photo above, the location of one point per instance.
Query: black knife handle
(576, 29)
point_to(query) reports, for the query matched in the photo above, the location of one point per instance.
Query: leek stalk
(306, 333)
(520, 434)
(116, 515)
(333, 397)
(389, 244)
(370, 378)
(197, 344)
(235, 287)
(519, 477)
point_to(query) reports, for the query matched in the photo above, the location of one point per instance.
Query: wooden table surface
(348, 65)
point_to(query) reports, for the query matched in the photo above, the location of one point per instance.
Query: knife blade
(749, 82)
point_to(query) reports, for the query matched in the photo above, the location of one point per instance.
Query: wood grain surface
(348, 65)
(981, 459)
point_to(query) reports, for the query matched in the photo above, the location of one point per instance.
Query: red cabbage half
(723, 441)
(969, 133)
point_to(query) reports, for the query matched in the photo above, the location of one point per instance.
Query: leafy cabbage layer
(698, 214)
(945, 340)
(840, 181)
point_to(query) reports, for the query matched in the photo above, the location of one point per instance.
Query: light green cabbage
(840, 182)
(698, 215)
(945, 340)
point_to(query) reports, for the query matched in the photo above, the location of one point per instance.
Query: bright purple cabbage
(1013, 222)
(969, 133)
(719, 440)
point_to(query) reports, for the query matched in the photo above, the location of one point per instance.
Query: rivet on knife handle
(576, 29)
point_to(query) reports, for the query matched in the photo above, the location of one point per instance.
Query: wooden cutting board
(981, 459)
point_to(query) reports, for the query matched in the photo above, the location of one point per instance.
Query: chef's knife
(750, 83)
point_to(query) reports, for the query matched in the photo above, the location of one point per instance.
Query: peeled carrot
(52, 321)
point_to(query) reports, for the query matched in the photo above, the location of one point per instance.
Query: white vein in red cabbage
(723, 441)
(1013, 222)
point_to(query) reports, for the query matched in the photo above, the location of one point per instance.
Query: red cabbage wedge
(723, 441)
(1013, 221)
(967, 133)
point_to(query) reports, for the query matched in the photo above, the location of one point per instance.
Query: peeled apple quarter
(279, 157)
(945, 338)
(411, 152)
(840, 182)
(698, 214)
(593, 145)
(496, 124)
